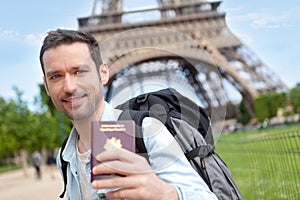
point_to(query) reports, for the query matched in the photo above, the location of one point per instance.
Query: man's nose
(70, 83)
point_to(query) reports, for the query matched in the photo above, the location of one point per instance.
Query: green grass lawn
(4, 169)
(265, 163)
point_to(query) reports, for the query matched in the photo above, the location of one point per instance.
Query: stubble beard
(84, 113)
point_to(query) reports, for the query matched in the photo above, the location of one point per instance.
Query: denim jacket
(166, 159)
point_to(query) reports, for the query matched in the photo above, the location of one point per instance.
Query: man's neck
(83, 128)
(84, 136)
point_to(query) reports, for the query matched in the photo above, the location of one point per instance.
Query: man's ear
(46, 85)
(104, 73)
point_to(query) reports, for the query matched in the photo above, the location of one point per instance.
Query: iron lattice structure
(188, 44)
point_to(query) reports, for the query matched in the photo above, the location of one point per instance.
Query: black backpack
(190, 126)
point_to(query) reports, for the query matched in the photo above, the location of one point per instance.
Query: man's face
(72, 81)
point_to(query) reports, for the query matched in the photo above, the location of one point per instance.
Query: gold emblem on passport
(112, 143)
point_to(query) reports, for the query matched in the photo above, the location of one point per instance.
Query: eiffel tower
(180, 43)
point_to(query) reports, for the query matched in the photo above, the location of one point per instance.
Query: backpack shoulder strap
(137, 117)
(64, 166)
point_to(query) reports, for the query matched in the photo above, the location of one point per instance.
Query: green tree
(45, 101)
(56, 124)
(18, 121)
(23, 129)
(279, 100)
(7, 141)
(261, 110)
(295, 98)
(244, 113)
(266, 106)
(16, 128)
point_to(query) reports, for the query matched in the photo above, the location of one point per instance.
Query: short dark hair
(64, 36)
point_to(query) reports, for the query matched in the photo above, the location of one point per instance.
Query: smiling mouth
(73, 102)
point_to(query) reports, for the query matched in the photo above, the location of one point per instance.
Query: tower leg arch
(141, 44)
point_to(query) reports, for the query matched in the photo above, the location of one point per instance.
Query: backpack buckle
(142, 98)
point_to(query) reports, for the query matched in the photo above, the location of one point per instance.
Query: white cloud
(30, 39)
(8, 34)
(34, 40)
(265, 19)
(262, 20)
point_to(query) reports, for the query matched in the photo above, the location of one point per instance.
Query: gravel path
(15, 185)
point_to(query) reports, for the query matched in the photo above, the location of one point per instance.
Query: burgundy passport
(107, 135)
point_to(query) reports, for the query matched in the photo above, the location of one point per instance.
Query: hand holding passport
(108, 135)
(123, 174)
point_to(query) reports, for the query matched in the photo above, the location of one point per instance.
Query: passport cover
(107, 135)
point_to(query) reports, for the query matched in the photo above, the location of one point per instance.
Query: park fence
(266, 165)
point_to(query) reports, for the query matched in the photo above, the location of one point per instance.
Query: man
(74, 76)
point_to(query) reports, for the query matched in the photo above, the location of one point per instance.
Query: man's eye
(54, 77)
(80, 71)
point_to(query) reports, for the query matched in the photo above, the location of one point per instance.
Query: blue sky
(269, 28)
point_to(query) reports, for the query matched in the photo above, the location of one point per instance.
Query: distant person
(37, 160)
(51, 162)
